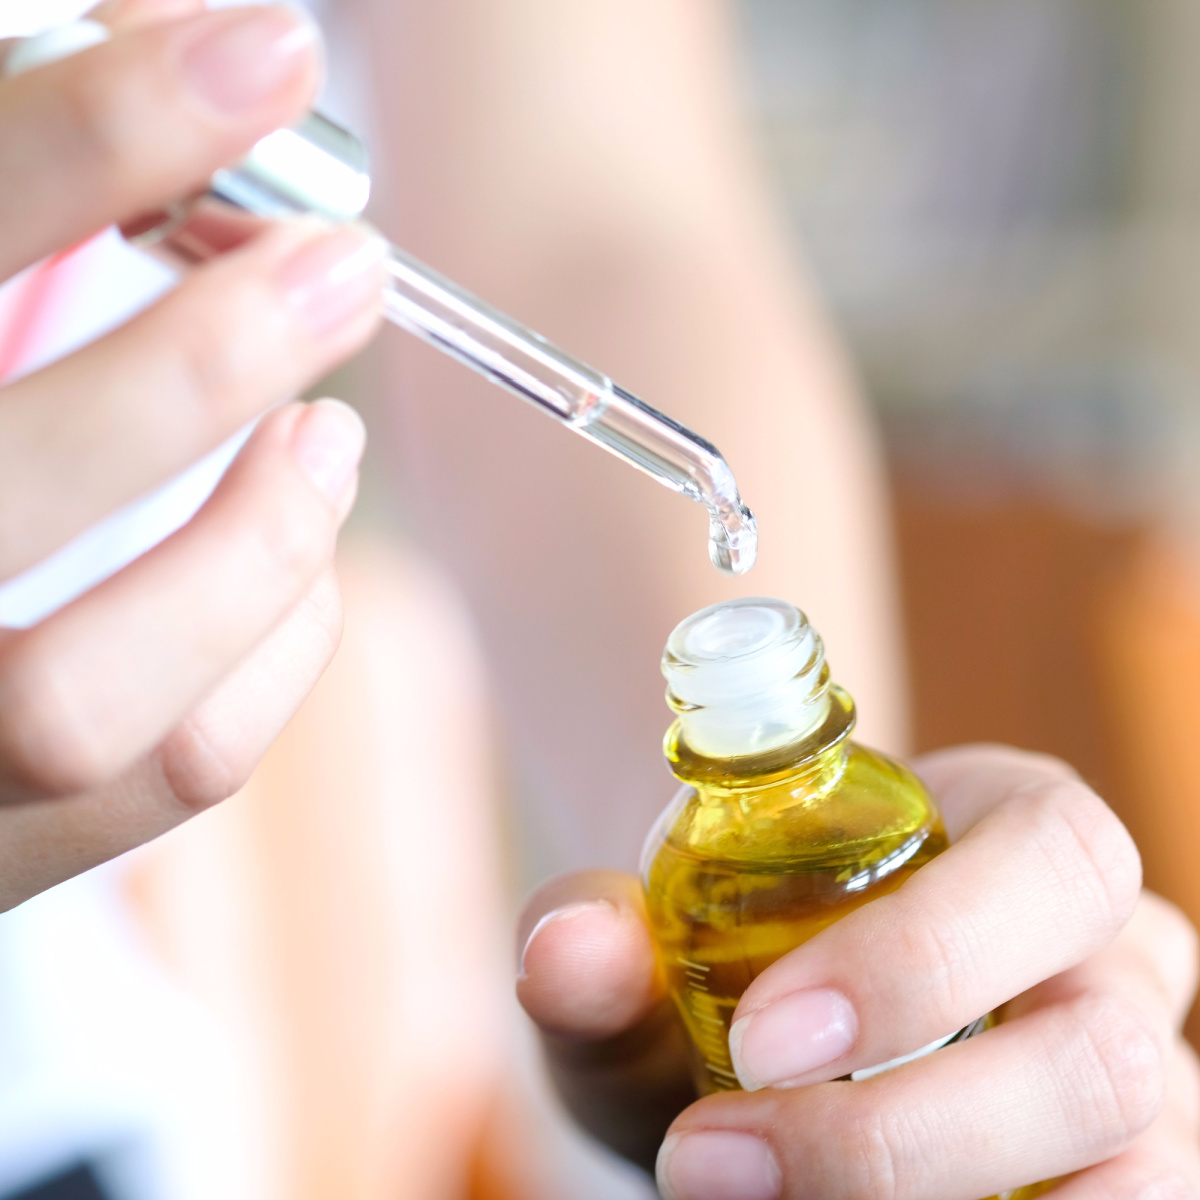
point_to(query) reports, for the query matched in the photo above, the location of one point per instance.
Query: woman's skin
(1036, 909)
(154, 695)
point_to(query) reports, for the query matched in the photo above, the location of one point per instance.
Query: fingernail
(567, 913)
(333, 279)
(328, 442)
(717, 1165)
(792, 1036)
(249, 57)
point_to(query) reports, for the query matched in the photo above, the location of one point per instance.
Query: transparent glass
(272, 183)
(757, 855)
(443, 314)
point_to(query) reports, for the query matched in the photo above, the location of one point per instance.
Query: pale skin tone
(152, 697)
(1036, 909)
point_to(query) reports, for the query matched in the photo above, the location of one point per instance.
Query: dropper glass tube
(440, 312)
(319, 168)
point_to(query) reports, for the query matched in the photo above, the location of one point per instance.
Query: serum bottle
(784, 824)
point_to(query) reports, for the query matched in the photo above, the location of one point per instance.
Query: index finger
(1045, 878)
(130, 125)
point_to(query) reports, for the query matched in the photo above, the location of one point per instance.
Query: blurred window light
(19, 18)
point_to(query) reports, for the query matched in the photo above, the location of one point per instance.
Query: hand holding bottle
(155, 694)
(1035, 909)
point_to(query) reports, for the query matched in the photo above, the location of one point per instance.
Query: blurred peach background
(996, 205)
(1001, 201)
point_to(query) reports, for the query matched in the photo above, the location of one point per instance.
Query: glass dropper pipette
(321, 169)
(318, 168)
(440, 312)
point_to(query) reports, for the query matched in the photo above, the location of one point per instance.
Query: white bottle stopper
(746, 677)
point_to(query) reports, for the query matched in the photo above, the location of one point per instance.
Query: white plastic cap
(745, 677)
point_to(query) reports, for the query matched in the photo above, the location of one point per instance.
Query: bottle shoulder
(861, 807)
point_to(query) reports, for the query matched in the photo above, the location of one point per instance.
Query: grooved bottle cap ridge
(745, 677)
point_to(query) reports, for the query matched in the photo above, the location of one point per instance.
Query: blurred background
(1001, 201)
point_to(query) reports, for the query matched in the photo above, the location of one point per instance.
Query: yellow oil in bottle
(759, 857)
(763, 849)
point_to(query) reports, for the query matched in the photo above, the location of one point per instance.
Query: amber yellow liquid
(762, 856)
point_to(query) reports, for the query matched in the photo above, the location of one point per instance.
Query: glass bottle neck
(807, 761)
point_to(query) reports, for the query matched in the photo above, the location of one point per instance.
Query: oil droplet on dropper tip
(733, 540)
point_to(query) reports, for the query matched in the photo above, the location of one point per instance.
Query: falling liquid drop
(733, 539)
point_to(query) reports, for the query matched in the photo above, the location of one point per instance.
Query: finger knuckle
(323, 611)
(292, 539)
(124, 114)
(1087, 848)
(210, 755)
(939, 950)
(888, 1153)
(1114, 1071)
(197, 771)
(96, 107)
(866, 1149)
(228, 351)
(47, 745)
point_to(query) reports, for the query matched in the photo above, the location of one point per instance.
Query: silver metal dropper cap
(314, 168)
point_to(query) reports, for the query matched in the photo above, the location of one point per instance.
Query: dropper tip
(733, 541)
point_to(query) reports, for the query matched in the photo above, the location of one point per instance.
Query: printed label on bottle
(967, 1031)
